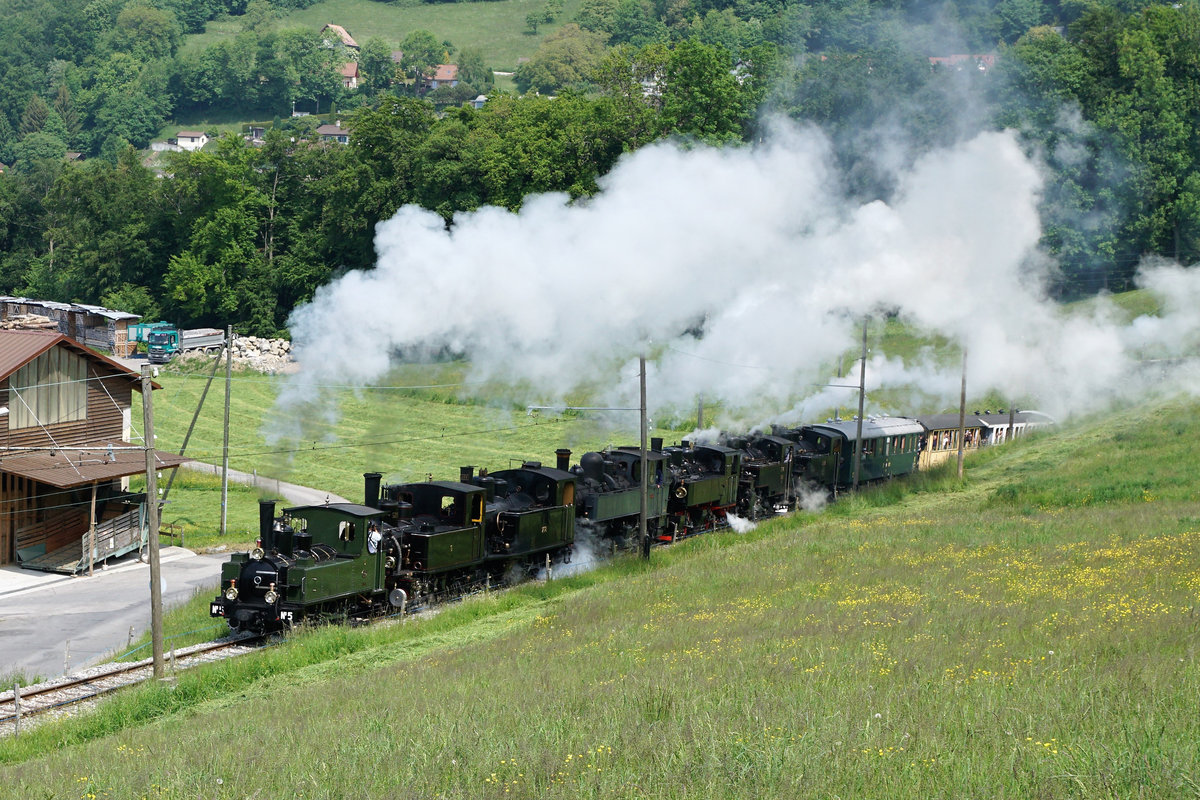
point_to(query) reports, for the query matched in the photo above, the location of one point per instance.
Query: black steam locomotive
(412, 543)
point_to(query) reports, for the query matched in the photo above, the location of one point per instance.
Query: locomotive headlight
(389, 562)
(231, 593)
(257, 554)
(271, 597)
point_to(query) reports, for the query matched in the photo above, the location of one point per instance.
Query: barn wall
(31, 513)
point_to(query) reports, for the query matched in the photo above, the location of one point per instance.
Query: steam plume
(745, 274)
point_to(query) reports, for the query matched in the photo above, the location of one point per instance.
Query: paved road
(52, 624)
(293, 493)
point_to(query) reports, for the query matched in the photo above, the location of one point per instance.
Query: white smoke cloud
(745, 274)
(740, 524)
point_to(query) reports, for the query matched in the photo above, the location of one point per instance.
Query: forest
(1106, 94)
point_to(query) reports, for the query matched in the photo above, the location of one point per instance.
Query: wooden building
(94, 326)
(66, 443)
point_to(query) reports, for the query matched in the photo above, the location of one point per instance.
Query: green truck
(163, 340)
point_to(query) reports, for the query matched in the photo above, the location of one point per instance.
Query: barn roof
(342, 34)
(78, 466)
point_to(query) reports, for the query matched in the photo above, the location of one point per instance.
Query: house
(342, 34)
(190, 140)
(444, 75)
(66, 444)
(479, 101)
(350, 75)
(254, 134)
(334, 133)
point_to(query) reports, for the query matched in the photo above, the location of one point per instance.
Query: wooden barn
(66, 444)
(97, 327)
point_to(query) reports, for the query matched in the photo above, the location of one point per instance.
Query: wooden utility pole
(225, 446)
(156, 620)
(962, 414)
(862, 396)
(642, 531)
(92, 534)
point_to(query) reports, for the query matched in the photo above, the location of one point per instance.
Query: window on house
(50, 389)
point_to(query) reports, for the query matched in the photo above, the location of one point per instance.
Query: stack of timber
(29, 322)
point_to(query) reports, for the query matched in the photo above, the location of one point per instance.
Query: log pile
(29, 322)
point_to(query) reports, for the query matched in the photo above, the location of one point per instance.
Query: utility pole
(700, 414)
(645, 478)
(225, 447)
(92, 534)
(862, 395)
(962, 414)
(156, 620)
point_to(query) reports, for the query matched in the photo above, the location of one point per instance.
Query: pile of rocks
(264, 355)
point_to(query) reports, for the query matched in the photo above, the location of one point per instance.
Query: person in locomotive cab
(374, 537)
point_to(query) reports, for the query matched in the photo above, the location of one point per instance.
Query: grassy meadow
(1030, 631)
(405, 433)
(496, 29)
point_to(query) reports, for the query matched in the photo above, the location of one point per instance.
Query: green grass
(497, 29)
(407, 434)
(934, 639)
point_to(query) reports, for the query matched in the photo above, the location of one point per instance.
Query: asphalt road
(293, 493)
(52, 624)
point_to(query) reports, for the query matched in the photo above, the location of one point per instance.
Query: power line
(347, 386)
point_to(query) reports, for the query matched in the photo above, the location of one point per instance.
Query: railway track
(20, 709)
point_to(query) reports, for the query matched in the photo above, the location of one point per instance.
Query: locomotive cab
(316, 559)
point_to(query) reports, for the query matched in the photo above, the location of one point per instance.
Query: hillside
(496, 29)
(1027, 633)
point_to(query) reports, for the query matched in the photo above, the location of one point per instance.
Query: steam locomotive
(410, 544)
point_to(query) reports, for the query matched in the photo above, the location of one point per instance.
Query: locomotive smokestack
(564, 458)
(371, 489)
(266, 524)
(656, 444)
(466, 474)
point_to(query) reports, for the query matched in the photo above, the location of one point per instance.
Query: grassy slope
(1030, 633)
(404, 434)
(497, 28)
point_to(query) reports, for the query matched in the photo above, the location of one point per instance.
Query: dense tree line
(241, 234)
(1108, 95)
